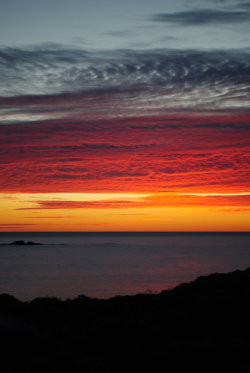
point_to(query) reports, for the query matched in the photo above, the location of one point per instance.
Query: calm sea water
(107, 264)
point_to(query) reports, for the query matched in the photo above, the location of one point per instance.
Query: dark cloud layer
(203, 17)
(64, 82)
(63, 71)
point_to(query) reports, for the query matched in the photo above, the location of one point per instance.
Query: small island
(21, 242)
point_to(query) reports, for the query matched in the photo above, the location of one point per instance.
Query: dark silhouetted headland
(202, 325)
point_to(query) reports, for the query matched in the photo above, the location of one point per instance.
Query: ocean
(103, 265)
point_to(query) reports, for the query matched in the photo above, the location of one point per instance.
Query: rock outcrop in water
(200, 326)
(20, 242)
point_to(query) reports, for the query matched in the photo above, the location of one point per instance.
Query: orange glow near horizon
(174, 172)
(90, 212)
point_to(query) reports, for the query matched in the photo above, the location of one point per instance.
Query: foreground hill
(202, 325)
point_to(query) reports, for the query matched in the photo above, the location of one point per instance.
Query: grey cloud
(203, 17)
(245, 5)
(45, 72)
(124, 33)
(66, 81)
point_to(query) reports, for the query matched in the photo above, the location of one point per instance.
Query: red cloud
(171, 152)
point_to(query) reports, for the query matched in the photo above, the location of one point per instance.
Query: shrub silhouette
(199, 325)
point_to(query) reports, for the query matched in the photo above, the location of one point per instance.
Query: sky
(124, 116)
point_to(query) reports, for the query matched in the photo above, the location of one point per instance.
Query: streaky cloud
(153, 200)
(66, 83)
(203, 17)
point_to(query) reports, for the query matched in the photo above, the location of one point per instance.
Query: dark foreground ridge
(202, 325)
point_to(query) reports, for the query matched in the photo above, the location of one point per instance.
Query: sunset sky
(124, 115)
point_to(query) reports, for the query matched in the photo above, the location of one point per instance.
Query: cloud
(45, 84)
(203, 17)
(77, 121)
(241, 209)
(128, 154)
(225, 126)
(47, 217)
(13, 225)
(154, 200)
(180, 126)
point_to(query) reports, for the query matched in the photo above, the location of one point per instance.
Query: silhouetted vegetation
(202, 325)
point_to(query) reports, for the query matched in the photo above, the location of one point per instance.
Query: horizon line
(176, 232)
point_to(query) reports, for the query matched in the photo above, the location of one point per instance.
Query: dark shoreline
(202, 324)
